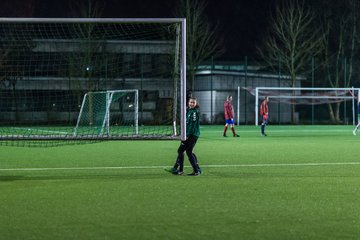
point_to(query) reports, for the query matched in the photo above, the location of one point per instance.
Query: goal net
(301, 105)
(110, 114)
(74, 79)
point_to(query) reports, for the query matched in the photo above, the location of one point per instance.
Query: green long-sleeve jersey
(193, 122)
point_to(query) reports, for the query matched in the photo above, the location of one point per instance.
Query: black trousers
(187, 146)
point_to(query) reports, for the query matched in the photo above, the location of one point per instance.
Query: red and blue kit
(264, 111)
(229, 117)
(229, 112)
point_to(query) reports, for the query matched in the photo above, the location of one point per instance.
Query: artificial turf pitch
(300, 182)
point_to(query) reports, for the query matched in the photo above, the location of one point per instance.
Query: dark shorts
(229, 121)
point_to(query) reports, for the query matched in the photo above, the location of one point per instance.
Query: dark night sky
(242, 22)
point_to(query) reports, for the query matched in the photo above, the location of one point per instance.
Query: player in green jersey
(192, 135)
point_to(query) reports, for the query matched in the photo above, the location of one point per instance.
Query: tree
(293, 39)
(339, 23)
(81, 62)
(11, 50)
(202, 40)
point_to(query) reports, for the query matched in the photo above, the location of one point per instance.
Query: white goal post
(296, 94)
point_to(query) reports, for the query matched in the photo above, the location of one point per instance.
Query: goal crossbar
(92, 20)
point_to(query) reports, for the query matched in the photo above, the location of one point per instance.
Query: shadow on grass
(10, 178)
(123, 176)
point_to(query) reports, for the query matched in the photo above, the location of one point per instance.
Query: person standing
(264, 112)
(229, 116)
(192, 135)
(358, 115)
(358, 125)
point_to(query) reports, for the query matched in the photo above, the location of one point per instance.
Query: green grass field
(300, 182)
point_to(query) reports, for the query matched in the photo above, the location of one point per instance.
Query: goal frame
(352, 89)
(106, 121)
(182, 58)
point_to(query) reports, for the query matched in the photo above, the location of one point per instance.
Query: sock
(225, 129)
(262, 128)
(233, 131)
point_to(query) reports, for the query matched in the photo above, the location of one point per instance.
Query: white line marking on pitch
(41, 130)
(205, 166)
(293, 130)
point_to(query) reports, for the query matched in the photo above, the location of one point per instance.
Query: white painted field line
(291, 130)
(41, 130)
(82, 168)
(284, 164)
(205, 166)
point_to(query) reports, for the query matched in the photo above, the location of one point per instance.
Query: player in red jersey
(229, 116)
(264, 112)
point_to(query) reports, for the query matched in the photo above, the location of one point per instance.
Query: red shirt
(264, 110)
(228, 110)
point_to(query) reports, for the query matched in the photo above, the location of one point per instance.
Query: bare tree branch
(202, 40)
(339, 34)
(293, 39)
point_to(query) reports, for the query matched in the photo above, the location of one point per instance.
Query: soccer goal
(296, 99)
(109, 114)
(74, 79)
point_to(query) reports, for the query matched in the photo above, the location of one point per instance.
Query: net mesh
(302, 105)
(46, 69)
(111, 114)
